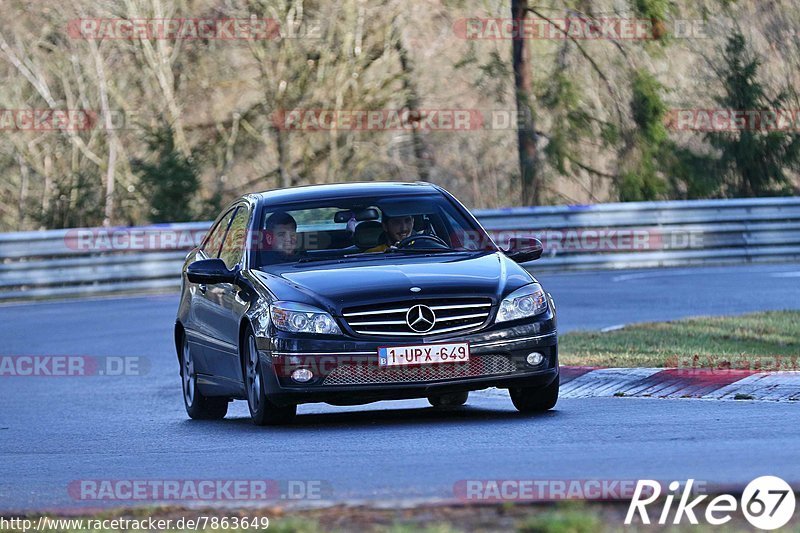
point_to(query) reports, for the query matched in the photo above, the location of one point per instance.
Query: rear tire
(535, 399)
(449, 400)
(198, 407)
(263, 411)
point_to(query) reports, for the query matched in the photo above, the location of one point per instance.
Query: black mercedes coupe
(355, 293)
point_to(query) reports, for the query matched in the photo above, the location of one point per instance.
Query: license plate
(426, 354)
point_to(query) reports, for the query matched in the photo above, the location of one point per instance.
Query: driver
(395, 229)
(280, 234)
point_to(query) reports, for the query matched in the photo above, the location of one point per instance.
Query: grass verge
(758, 341)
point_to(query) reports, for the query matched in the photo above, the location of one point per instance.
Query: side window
(214, 240)
(233, 246)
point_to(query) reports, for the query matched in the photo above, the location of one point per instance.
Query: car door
(201, 310)
(226, 305)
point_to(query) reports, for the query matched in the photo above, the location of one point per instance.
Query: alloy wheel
(189, 377)
(253, 375)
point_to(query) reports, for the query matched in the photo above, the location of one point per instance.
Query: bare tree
(527, 138)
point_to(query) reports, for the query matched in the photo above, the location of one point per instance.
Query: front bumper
(497, 359)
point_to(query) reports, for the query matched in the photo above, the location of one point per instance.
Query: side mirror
(525, 249)
(209, 272)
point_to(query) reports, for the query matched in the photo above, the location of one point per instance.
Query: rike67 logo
(767, 503)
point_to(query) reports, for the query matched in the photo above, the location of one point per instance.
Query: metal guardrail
(75, 262)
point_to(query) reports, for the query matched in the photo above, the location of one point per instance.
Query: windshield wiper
(376, 255)
(313, 259)
(391, 250)
(363, 254)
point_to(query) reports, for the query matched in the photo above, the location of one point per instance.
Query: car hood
(334, 286)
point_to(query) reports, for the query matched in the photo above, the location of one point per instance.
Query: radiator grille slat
(483, 365)
(389, 319)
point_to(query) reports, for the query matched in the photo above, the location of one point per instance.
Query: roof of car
(339, 190)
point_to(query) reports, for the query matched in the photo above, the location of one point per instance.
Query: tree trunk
(283, 157)
(23, 191)
(421, 151)
(526, 126)
(108, 125)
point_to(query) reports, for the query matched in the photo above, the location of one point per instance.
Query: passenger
(395, 229)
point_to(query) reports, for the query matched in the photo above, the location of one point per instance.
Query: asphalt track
(54, 431)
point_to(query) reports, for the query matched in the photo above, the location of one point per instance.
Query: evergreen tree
(170, 182)
(755, 160)
(650, 145)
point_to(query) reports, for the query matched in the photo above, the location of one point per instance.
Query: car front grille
(482, 365)
(390, 319)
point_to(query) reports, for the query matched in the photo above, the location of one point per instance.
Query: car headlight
(300, 318)
(528, 301)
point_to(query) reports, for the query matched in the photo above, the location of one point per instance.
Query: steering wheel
(413, 238)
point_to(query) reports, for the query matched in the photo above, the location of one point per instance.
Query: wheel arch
(244, 324)
(179, 334)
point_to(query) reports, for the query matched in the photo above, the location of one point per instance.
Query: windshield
(363, 227)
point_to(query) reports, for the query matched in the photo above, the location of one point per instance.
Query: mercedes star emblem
(420, 318)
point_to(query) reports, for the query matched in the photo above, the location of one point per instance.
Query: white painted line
(785, 275)
(174, 293)
(630, 277)
(656, 274)
(698, 271)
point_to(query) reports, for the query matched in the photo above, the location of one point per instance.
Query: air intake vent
(480, 365)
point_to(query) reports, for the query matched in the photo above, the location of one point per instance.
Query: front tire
(198, 407)
(535, 399)
(263, 411)
(449, 400)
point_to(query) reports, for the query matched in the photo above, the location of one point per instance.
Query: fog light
(302, 375)
(535, 359)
